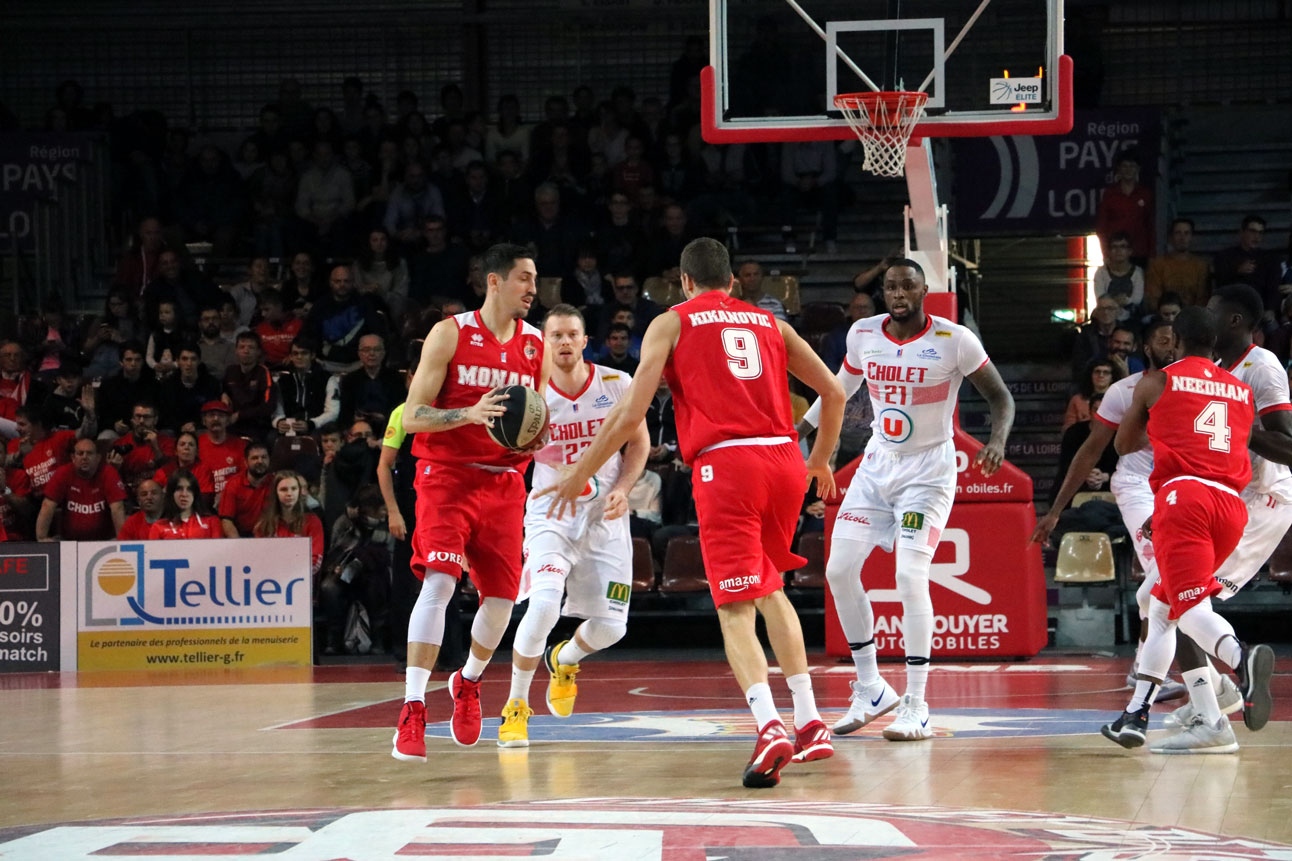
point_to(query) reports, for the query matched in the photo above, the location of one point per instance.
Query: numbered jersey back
(728, 374)
(1200, 425)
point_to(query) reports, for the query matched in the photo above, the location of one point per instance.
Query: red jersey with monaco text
(479, 364)
(1200, 426)
(728, 374)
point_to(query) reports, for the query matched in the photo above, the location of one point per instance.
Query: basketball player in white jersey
(903, 489)
(588, 556)
(1130, 487)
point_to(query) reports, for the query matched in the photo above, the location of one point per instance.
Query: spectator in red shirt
(222, 453)
(284, 516)
(36, 453)
(634, 171)
(243, 500)
(139, 525)
(184, 515)
(277, 329)
(186, 457)
(250, 390)
(1127, 206)
(90, 494)
(16, 382)
(140, 453)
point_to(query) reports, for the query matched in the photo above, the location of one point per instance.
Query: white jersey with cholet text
(913, 383)
(575, 418)
(1261, 369)
(1112, 410)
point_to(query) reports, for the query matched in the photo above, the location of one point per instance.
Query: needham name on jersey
(1211, 388)
(744, 318)
(492, 378)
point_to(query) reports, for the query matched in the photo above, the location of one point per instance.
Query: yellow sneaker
(561, 689)
(514, 731)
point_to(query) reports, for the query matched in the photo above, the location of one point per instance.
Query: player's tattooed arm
(438, 419)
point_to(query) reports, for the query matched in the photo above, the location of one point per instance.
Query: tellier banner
(194, 604)
(34, 165)
(1050, 183)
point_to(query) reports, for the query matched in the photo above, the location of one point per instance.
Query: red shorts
(1195, 528)
(748, 499)
(468, 513)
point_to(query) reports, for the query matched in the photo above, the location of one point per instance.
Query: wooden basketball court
(296, 764)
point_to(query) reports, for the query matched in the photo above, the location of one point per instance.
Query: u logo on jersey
(895, 425)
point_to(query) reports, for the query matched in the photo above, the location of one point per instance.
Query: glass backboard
(989, 67)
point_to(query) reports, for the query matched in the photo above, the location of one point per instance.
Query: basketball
(524, 421)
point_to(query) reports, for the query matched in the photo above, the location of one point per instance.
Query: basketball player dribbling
(726, 363)
(587, 557)
(1198, 419)
(470, 490)
(902, 492)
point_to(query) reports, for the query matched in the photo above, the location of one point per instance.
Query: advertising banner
(29, 607)
(33, 165)
(194, 604)
(1049, 183)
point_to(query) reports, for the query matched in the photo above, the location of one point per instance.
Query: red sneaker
(410, 737)
(772, 752)
(812, 742)
(465, 723)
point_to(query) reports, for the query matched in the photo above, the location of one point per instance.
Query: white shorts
(1135, 502)
(1268, 520)
(590, 558)
(899, 497)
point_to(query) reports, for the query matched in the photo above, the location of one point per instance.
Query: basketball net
(883, 122)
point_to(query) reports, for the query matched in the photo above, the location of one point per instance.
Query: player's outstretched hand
(488, 408)
(616, 505)
(565, 494)
(1044, 527)
(989, 458)
(820, 472)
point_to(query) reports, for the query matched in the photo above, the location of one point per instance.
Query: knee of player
(603, 633)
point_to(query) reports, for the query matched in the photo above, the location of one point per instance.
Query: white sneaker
(1229, 698)
(1198, 737)
(912, 721)
(868, 702)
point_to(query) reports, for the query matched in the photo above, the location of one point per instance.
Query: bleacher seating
(683, 567)
(663, 292)
(643, 566)
(811, 575)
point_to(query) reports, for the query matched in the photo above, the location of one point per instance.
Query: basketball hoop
(883, 123)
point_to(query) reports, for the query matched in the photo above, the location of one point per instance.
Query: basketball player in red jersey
(470, 490)
(725, 362)
(1198, 418)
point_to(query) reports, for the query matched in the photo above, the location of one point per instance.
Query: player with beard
(903, 489)
(470, 490)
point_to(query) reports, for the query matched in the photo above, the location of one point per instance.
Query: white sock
(570, 654)
(1216, 677)
(759, 697)
(415, 682)
(520, 681)
(804, 701)
(1145, 693)
(474, 668)
(867, 664)
(1202, 696)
